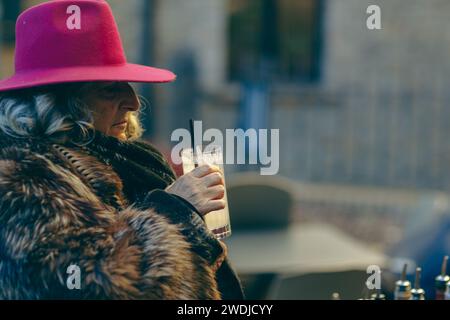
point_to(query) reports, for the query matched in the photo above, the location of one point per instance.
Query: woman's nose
(130, 101)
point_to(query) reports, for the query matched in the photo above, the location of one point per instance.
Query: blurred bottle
(447, 292)
(417, 293)
(403, 287)
(441, 281)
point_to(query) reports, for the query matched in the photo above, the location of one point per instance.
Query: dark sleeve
(182, 213)
(203, 240)
(230, 286)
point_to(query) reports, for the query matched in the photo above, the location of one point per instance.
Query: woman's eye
(108, 93)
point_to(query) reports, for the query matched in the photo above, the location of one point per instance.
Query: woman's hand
(203, 187)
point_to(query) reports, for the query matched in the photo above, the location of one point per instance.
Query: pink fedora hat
(73, 41)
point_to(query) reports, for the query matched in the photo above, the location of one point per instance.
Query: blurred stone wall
(415, 36)
(377, 117)
(388, 124)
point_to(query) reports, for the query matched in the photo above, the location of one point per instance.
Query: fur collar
(119, 172)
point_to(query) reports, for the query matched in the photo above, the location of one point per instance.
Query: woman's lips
(120, 123)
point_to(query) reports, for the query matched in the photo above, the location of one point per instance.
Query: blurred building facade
(373, 108)
(354, 106)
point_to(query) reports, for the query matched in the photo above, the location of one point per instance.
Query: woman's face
(111, 104)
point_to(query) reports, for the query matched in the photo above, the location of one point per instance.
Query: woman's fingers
(213, 179)
(204, 170)
(216, 192)
(203, 187)
(214, 205)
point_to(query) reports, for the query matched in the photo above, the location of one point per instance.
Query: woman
(79, 191)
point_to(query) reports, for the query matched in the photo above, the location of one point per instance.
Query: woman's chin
(118, 133)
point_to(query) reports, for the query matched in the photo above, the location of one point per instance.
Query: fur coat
(62, 207)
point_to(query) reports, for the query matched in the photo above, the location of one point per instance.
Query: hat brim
(128, 72)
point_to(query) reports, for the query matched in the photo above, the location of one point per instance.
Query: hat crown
(66, 41)
(64, 33)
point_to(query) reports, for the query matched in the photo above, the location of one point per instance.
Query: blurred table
(299, 249)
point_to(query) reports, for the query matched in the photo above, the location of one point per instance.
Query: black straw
(194, 149)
